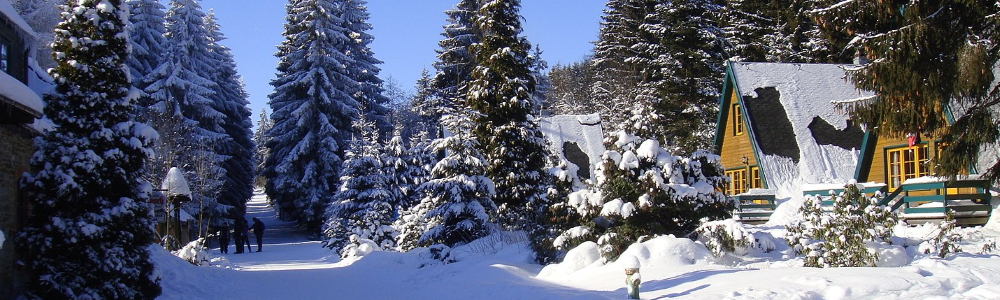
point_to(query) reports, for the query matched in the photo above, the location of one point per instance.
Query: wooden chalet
(779, 130)
(778, 127)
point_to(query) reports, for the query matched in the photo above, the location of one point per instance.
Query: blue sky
(406, 35)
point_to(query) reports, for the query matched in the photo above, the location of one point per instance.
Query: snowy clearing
(291, 267)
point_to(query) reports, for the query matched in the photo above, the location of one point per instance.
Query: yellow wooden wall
(735, 147)
(878, 171)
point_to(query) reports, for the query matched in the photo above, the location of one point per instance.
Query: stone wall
(15, 150)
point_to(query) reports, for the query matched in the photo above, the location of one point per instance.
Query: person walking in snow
(224, 239)
(239, 232)
(245, 236)
(258, 231)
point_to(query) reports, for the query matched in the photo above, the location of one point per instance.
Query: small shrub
(839, 238)
(722, 237)
(946, 240)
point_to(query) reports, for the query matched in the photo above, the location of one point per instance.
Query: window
(906, 162)
(737, 120)
(738, 185)
(755, 182)
(4, 56)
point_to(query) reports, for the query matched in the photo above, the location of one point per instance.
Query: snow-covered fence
(755, 206)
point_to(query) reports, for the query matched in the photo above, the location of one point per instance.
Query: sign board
(157, 202)
(157, 199)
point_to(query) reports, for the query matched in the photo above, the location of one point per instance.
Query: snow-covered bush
(558, 217)
(357, 247)
(845, 236)
(726, 236)
(435, 255)
(945, 239)
(194, 252)
(643, 192)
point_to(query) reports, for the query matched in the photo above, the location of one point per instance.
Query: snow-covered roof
(583, 130)
(801, 136)
(20, 94)
(175, 184)
(8, 10)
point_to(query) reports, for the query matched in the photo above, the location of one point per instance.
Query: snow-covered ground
(292, 267)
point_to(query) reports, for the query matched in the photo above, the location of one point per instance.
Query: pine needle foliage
(83, 239)
(840, 237)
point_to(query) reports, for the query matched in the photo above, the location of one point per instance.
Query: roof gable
(798, 134)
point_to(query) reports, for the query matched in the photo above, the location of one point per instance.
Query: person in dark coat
(245, 235)
(239, 226)
(224, 239)
(258, 231)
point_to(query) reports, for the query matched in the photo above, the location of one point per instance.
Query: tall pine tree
(364, 68)
(147, 41)
(85, 240)
(148, 52)
(926, 55)
(189, 117)
(455, 61)
(260, 139)
(313, 107)
(623, 66)
(501, 93)
(686, 73)
(238, 147)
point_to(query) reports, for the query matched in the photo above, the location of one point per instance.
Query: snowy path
(292, 267)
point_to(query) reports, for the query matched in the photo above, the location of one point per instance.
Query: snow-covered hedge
(643, 191)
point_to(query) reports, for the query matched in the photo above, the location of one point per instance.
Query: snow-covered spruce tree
(395, 167)
(571, 92)
(238, 147)
(645, 192)
(457, 203)
(420, 159)
(364, 66)
(506, 125)
(925, 55)
(686, 73)
(622, 70)
(797, 37)
(85, 240)
(839, 238)
(542, 83)
(745, 24)
(260, 139)
(558, 217)
(725, 236)
(313, 107)
(363, 206)
(186, 116)
(425, 105)
(454, 59)
(146, 35)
